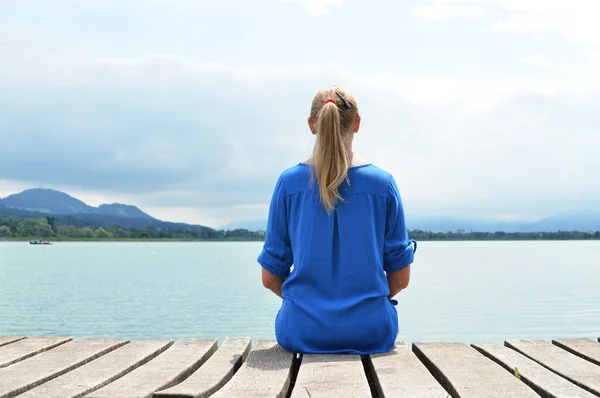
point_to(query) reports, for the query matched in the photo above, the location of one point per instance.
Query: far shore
(53, 240)
(233, 240)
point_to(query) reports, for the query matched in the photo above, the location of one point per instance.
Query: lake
(460, 291)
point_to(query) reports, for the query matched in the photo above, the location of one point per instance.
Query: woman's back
(336, 297)
(339, 222)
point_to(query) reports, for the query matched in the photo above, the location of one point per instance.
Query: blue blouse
(335, 293)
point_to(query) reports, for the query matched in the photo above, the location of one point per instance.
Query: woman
(339, 221)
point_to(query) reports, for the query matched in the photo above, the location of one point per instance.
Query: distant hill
(59, 203)
(250, 225)
(46, 201)
(39, 203)
(571, 221)
(120, 210)
(577, 220)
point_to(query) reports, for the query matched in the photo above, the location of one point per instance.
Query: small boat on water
(39, 242)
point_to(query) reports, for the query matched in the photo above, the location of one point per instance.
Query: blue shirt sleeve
(398, 249)
(276, 255)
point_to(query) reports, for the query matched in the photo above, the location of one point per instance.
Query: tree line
(420, 235)
(47, 228)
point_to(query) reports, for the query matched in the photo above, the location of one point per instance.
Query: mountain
(577, 220)
(570, 221)
(250, 225)
(39, 203)
(46, 201)
(55, 202)
(119, 210)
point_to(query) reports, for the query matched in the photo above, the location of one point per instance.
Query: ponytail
(330, 157)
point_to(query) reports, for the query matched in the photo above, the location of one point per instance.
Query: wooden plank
(101, 371)
(579, 371)
(213, 375)
(164, 371)
(265, 373)
(585, 348)
(331, 376)
(399, 373)
(466, 373)
(25, 375)
(4, 340)
(26, 348)
(542, 380)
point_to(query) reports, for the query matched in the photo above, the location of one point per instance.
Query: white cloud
(431, 132)
(538, 60)
(442, 11)
(153, 122)
(577, 20)
(528, 22)
(317, 8)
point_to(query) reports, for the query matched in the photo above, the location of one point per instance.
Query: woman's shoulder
(373, 173)
(291, 178)
(295, 171)
(372, 178)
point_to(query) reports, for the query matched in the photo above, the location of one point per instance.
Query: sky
(190, 109)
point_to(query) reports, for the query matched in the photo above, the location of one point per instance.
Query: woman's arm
(276, 258)
(398, 280)
(399, 250)
(272, 282)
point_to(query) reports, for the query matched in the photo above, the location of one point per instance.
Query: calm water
(469, 292)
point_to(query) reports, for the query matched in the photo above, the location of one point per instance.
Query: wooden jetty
(64, 367)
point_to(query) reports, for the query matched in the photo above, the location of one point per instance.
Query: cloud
(186, 138)
(193, 117)
(576, 20)
(439, 12)
(538, 60)
(317, 8)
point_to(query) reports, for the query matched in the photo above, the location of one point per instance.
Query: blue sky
(191, 109)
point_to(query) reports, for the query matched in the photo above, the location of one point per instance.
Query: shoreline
(237, 240)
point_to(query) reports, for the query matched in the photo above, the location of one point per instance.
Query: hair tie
(331, 100)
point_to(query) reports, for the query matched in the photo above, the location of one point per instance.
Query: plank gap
(551, 368)
(294, 369)
(592, 355)
(214, 373)
(24, 349)
(5, 340)
(435, 372)
(540, 391)
(372, 379)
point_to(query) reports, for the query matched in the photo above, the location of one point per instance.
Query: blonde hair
(334, 112)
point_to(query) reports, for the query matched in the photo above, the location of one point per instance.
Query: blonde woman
(339, 221)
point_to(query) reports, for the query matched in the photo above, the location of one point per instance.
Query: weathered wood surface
(26, 348)
(399, 373)
(331, 376)
(214, 374)
(576, 369)
(101, 371)
(585, 348)
(168, 369)
(103, 368)
(9, 339)
(22, 376)
(265, 373)
(466, 373)
(542, 380)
